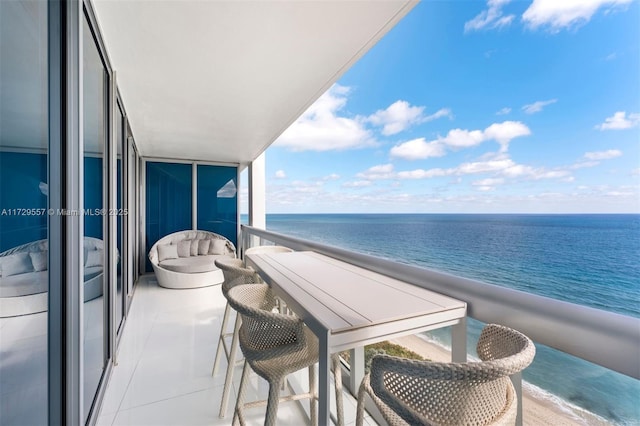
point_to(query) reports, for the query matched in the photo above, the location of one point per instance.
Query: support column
(257, 193)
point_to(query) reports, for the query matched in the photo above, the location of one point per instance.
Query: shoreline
(537, 409)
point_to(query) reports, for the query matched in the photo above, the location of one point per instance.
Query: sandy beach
(537, 410)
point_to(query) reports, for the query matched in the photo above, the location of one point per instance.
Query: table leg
(324, 377)
(357, 369)
(459, 341)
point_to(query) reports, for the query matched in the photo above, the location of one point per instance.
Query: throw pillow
(218, 246)
(40, 260)
(184, 248)
(203, 246)
(94, 258)
(19, 263)
(167, 251)
(194, 247)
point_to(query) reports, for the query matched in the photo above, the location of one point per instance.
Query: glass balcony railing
(574, 343)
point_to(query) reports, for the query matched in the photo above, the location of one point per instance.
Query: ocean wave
(570, 410)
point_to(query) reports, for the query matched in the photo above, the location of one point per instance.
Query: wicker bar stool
(275, 345)
(234, 274)
(411, 392)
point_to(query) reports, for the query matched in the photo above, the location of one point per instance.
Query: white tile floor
(163, 371)
(23, 364)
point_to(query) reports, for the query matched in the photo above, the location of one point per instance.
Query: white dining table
(347, 306)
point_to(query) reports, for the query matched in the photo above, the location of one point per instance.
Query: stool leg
(337, 374)
(272, 404)
(360, 408)
(223, 330)
(240, 400)
(230, 367)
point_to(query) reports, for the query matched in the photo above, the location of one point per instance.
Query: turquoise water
(585, 259)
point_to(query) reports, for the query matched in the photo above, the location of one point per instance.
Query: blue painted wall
(20, 178)
(218, 200)
(168, 201)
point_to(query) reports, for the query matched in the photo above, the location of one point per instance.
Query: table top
(341, 297)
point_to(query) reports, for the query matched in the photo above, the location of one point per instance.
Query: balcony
(163, 141)
(162, 372)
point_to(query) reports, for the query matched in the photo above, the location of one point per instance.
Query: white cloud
(357, 184)
(442, 112)
(504, 111)
(332, 176)
(503, 133)
(320, 128)
(620, 121)
(611, 56)
(537, 106)
(499, 166)
(559, 14)
(417, 149)
(459, 138)
(383, 171)
(603, 155)
(397, 117)
(488, 184)
(490, 18)
(583, 164)
(500, 163)
(423, 174)
(280, 174)
(229, 190)
(400, 115)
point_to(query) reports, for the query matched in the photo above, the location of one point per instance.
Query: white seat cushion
(24, 284)
(191, 265)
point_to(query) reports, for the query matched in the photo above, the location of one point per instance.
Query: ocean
(591, 260)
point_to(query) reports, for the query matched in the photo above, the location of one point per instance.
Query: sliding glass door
(24, 193)
(96, 134)
(218, 200)
(171, 200)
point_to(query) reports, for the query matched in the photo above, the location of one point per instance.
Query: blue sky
(476, 107)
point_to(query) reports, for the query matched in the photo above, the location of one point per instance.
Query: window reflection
(119, 233)
(217, 200)
(24, 277)
(168, 201)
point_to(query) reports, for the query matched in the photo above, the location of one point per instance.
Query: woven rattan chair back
(235, 273)
(264, 334)
(275, 345)
(470, 393)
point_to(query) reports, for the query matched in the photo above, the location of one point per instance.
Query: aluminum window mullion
(55, 319)
(65, 232)
(112, 230)
(194, 196)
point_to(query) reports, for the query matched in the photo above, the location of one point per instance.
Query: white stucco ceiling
(221, 80)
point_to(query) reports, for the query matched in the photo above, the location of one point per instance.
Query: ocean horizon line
(457, 214)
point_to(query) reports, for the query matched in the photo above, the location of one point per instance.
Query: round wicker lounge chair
(412, 393)
(24, 276)
(186, 259)
(275, 345)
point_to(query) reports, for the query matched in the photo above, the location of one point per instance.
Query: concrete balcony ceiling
(221, 80)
